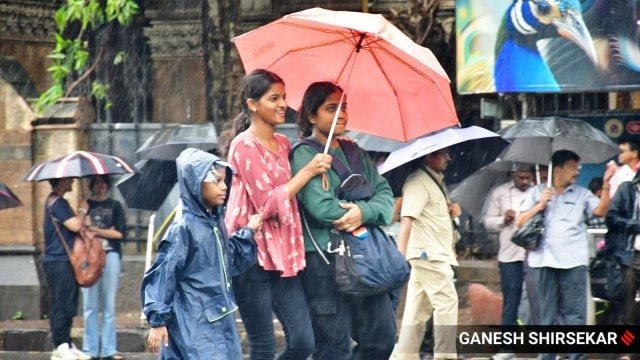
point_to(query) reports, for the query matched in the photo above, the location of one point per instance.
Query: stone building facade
(180, 67)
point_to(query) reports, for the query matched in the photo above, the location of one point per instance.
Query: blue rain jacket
(188, 288)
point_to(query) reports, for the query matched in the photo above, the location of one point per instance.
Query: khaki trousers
(430, 291)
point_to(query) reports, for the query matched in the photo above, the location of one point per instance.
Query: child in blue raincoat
(186, 294)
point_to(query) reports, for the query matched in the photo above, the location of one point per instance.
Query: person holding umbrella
(264, 184)
(559, 263)
(57, 268)
(338, 317)
(427, 239)
(108, 219)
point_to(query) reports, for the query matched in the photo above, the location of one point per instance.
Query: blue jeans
(562, 294)
(511, 278)
(336, 318)
(101, 297)
(257, 293)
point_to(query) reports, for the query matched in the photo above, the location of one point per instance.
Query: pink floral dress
(259, 185)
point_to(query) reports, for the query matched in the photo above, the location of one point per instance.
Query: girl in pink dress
(263, 184)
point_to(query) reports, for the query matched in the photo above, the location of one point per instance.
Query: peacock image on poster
(547, 45)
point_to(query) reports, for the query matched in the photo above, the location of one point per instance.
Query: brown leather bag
(87, 257)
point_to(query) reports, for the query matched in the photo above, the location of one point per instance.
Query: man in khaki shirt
(426, 238)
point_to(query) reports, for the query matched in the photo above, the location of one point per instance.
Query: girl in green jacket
(336, 317)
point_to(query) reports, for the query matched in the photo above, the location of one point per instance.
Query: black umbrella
(168, 143)
(7, 198)
(472, 192)
(148, 189)
(468, 157)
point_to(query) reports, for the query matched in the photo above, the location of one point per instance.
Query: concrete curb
(32, 355)
(14, 340)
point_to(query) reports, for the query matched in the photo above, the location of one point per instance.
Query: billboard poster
(547, 45)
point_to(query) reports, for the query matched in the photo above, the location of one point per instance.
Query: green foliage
(19, 315)
(118, 58)
(72, 54)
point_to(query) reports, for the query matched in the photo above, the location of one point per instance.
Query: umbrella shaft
(333, 123)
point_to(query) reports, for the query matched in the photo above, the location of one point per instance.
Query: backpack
(366, 262)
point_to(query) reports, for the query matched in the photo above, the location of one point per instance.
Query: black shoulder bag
(530, 235)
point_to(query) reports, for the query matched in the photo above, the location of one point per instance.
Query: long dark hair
(316, 94)
(254, 85)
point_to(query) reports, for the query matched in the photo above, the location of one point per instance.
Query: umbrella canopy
(533, 140)
(148, 188)
(433, 142)
(7, 198)
(396, 88)
(78, 164)
(375, 143)
(469, 156)
(472, 192)
(168, 143)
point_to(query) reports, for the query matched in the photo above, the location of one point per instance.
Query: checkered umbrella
(78, 164)
(7, 198)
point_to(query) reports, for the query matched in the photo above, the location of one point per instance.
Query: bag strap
(350, 150)
(444, 192)
(454, 221)
(50, 203)
(314, 242)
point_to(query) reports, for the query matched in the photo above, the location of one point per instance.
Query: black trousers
(336, 317)
(64, 299)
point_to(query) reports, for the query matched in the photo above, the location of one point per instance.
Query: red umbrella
(396, 88)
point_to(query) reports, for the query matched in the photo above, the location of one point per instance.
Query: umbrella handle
(325, 182)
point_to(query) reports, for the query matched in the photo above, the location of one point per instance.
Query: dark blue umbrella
(7, 198)
(78, 164)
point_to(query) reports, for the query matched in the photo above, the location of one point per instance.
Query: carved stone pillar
(26, 34)
(179, 66)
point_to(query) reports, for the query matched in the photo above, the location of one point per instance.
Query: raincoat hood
(193, 166)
